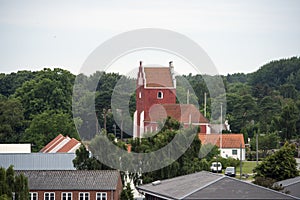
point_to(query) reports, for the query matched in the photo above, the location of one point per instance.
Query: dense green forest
(36, 106)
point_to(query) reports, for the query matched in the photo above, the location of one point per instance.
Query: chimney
(172, 73)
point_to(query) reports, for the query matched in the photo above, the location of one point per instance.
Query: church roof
(228, 140)
(184, 113)
(158, 77)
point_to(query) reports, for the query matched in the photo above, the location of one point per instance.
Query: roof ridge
(297, 180)
(206, 185)
(250, 183)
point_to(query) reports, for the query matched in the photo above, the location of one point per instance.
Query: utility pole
(256, 149)
(221, 124)
(241, 161)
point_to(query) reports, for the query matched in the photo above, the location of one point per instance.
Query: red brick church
(156, 99)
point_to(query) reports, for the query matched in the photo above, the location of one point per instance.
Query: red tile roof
(184, 113)
(228, 140)
(158, 77)
(61, 144)
(53, 143)
(70, 145)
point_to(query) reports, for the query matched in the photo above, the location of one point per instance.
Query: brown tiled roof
(53, 143)
(228, 140)
(158, 77)
(67, 147)
(72, 179)
(181, 112)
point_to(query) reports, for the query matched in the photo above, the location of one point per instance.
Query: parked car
(230, 171)
(216, 167)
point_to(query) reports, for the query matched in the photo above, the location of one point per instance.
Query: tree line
(36, 106)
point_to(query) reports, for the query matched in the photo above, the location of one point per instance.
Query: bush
(227, 162)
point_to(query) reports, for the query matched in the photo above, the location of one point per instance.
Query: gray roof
(38, 161)
(204, 185)
(72, 179)
(291, 185)
(290, 181)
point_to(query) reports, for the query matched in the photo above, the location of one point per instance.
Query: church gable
(158, 77)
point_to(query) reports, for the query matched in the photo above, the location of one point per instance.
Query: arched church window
(160, 95)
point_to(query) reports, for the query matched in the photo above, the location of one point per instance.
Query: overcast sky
(239, 36)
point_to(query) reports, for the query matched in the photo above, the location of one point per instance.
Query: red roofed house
(229, 144)
(156, 99)
(61, 144)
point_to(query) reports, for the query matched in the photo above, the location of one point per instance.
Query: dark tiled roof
(72, 179)
(158, 77)
(206, 185)
(228, 140)
(178, 187)
(292, 185)
(290, 181)
(181, 112)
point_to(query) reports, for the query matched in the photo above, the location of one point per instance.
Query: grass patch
(247, 167)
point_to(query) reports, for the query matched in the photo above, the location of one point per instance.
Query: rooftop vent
(156, 183)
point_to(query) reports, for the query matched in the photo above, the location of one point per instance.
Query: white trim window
(49, 196)
(66, 196)
(160, 95)
(234, 152)
(101, 196)
(33, 196)
(84, 196)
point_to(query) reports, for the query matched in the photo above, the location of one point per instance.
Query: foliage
(84, 161)
(127, 193)
(48, 90)
(227, 162)
(11, 120)
(266, 142)
(279, 166)
(209, 151)
(9, 183)
(46, 126)
(266, 100)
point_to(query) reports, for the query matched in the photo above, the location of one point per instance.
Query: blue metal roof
(38, 161)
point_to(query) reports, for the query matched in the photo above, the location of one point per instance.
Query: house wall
(227, 152)
(75, 194)
(117, 192)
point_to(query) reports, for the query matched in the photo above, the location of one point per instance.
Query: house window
(84, 196)
(234, 152)
(140, 95)
(49, 196)
(160, 95)
(33, 196)
(66, 196)
(101, 196)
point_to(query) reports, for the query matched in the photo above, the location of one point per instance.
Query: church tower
(154, 85)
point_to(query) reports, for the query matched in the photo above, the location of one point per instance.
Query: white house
(230, 145)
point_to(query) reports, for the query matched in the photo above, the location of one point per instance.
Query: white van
(216, 167)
